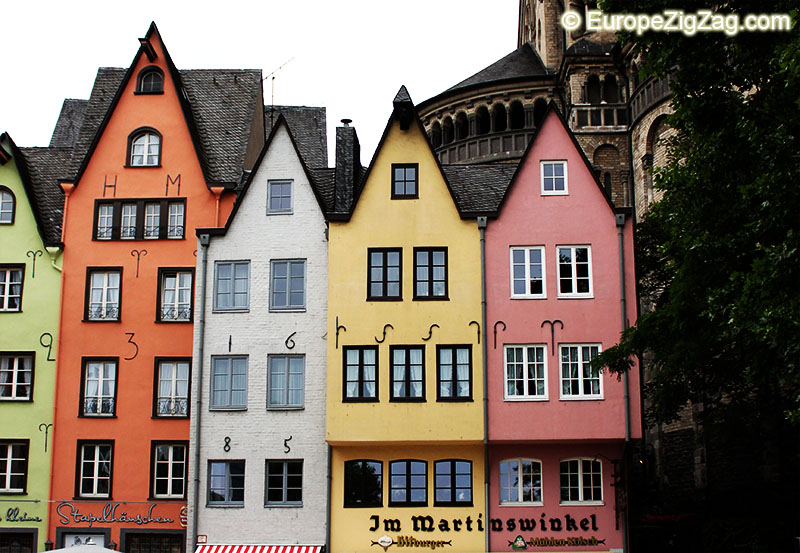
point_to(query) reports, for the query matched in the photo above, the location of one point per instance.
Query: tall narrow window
(172, 398)
(454, 373)
(145, 149)
(361, 373)
(13, 466)
(453, 482)
(94, 470)
(99, 388)
(526, 372)
(103, 300)
(286, 381)
(581, 481)
(280, 197)
(384, 274)
(407, 373)
(578, 381)
(405, 180)
(229, 382)
(176, 295)
(16, 377)
(6, 206)
(105, 219)
(169, 471)
(288, 285)
(231, 285)
(127, 229)
(152, 220)
(11, 288)
(574, 271)
(527, 272)
(175, 223)
(520, 481)
(430, 273)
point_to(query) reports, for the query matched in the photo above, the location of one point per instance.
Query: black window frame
(430, 281)
(149, 70)
(27, 444)
(88, 292)
(407, 474)
(349, 484)
(156, 388)
(79, 469)
(405, 195)
(141, 213)
(453, 488)
(154, 444)
(407, 376)
(82, 403)
(164, 272)
(384, 266)
(361, 398)
(19, 355)
(284, 463)
(136, 134)
(12, 267)
(454, 380)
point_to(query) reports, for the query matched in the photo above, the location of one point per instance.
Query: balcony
(172, 407)
(99, 407)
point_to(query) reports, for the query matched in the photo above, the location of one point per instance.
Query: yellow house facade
(405, 367)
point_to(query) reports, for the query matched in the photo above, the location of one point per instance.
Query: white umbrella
(91, 548)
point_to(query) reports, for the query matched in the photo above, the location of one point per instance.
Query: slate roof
(479, 189)
(222, 103)
(325, 180)
(522, 63)
(309, 129)
(41, 167)
(69, 123)
(586, 47)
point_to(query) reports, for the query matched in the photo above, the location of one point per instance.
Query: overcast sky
(350, 56)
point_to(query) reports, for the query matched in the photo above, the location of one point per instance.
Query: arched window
(150, 81)
(462, 126)
(436, 134)
(144, 148)
(593, 89)
(484, 121)
(520, 481)
(610, 90)
(447, 131)
(517, 115)
(7, 204)
(499, 118)
(539, 110)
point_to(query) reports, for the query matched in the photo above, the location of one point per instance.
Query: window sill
(91, 416)
(523, 504)
(166, 499)
(581, 503)
(168, 417)
(10, 310)
(241, 310)
(286, 407)
(92, 498)
(555, 193)
(360, 400)
(524, 297)
(142, 93)
(129, 166)
(173, 321)
(455, 399)
(287, 309)
(227, 409)
(408, 505)
(225, 505)
(453, 504)
(13, 492)
(379, 298)
(282, 505)
(518, 399)
(100, 320)
(280, 213)
(576, 296)
(581, 398)
(16, 400)
(407, 400)
(363, 506)
(431, 298)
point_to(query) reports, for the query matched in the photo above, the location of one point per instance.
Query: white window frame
(94, 461)
(281, 184)
(527, 269)
(176, 220)
(574, 277)
(228, 404)
(145, 141)
(519, 484)
(284, 464)
(152, 221)
(13, 374)
(100, 397)
(127, 229)
(553, 162)
(288, 291)
(105, 303)
(10, 452)
(582, 378)
(105, 221)
(171, 464)
(168, 381)
(7, 206)
(177, 310)
(582, 476)
(526, 396)
(6, 291)
(284, 375)
(232, 292)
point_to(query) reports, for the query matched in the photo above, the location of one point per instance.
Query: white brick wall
(257, 434)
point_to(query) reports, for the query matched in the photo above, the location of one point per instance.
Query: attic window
(144, 148)
(404, 181)
(6, 206)
(150, 81)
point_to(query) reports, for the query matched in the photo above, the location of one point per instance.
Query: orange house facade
(156, 157)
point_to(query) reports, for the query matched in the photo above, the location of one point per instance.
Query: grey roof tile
(521, 63)
(68, 126)
(479, 188)
(309, 130)
(45, 166)
(324, 180)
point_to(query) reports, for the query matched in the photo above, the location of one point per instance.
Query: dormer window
(150, 81)
(144, 148)
(6, 206)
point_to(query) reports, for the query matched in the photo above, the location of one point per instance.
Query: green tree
(719, 255)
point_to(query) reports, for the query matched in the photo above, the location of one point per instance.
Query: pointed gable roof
(38, 169)
(555, 113)
(218, 106)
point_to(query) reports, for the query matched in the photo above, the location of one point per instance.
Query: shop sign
(184, 516)
(110, 513)
(519, 542)
(13, 514)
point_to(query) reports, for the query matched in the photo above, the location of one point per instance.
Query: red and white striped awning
(258, 548)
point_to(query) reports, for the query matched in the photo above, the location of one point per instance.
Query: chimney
(348, 166)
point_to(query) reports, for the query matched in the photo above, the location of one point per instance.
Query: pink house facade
(554, 289)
